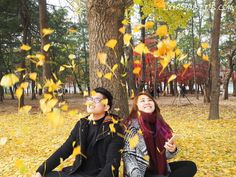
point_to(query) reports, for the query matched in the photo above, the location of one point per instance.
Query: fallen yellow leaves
(3, 141)
(27, 140)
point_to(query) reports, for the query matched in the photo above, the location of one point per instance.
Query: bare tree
(215, 62)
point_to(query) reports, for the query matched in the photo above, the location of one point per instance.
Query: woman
(147, 147)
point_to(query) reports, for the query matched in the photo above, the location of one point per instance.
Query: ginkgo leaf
(137, 70)
(149, 24)
(73, 112)
(162, 31)
(9, 80)
(25, 109)
(55, 118)
(146, 157)
(117, 109)
(20, 69)
(72, 56)
(164, 63)
(51, 103)
(125, 22)
(111, 43)
(127, 38)
(76, 151)
(204, 45)
(93, 93)
(19, 92)
(177, 52)
(141, 48)
(159, 4)
(137, 28)
(47, 31)
(133, 142)
(124, 61)
(3, 141)
(33, 76)
(72, 30)
(20, 165)
(25, 47)
(172, 44)
(24, 85)
(46, 47)
(65, 107)
(86, 93)
(186, 66)
(137, 62)
(67, 66)
(139, 2)
(114, 67)
(205, 58)
(102, 58)
(112, 128)
(132, 94)
(99, 74)
(104, 101)
(39, 86)
(124, 75)
(122, 30)
(108, 76)
(182, 57)
(172, 77)
(62, 68)
(47, 96)
(199, 52)
(41, 58)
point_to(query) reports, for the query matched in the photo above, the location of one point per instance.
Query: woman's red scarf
(155, 132)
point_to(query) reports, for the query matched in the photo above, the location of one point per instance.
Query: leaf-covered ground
(210, 144)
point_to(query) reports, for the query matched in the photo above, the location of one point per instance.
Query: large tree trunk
(228, 76)
(215, 63)
(43, 22)
(104, 18)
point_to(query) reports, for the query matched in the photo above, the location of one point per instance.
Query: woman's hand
(38, 174)
(170, 146)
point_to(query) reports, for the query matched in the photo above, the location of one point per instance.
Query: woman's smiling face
(145, 104)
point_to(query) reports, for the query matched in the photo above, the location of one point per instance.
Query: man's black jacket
(108, 143)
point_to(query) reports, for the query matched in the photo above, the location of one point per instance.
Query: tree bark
(43, 23)
(234, 87)
(215, 63)
(25, 16)
(74, 87)
(228, 76)
(130, 67)
(1, 90)
(143, 62)
(104, 18)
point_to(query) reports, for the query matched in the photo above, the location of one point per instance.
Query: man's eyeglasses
(94, 99)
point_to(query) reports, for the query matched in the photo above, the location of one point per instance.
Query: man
(99, 137)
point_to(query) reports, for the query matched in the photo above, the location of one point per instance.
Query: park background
(53, 53)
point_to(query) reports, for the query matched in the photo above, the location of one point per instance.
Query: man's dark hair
(106, 94)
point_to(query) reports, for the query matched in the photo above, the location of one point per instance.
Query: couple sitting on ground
(101, 149)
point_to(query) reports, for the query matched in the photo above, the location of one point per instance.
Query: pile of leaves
(26, 140)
